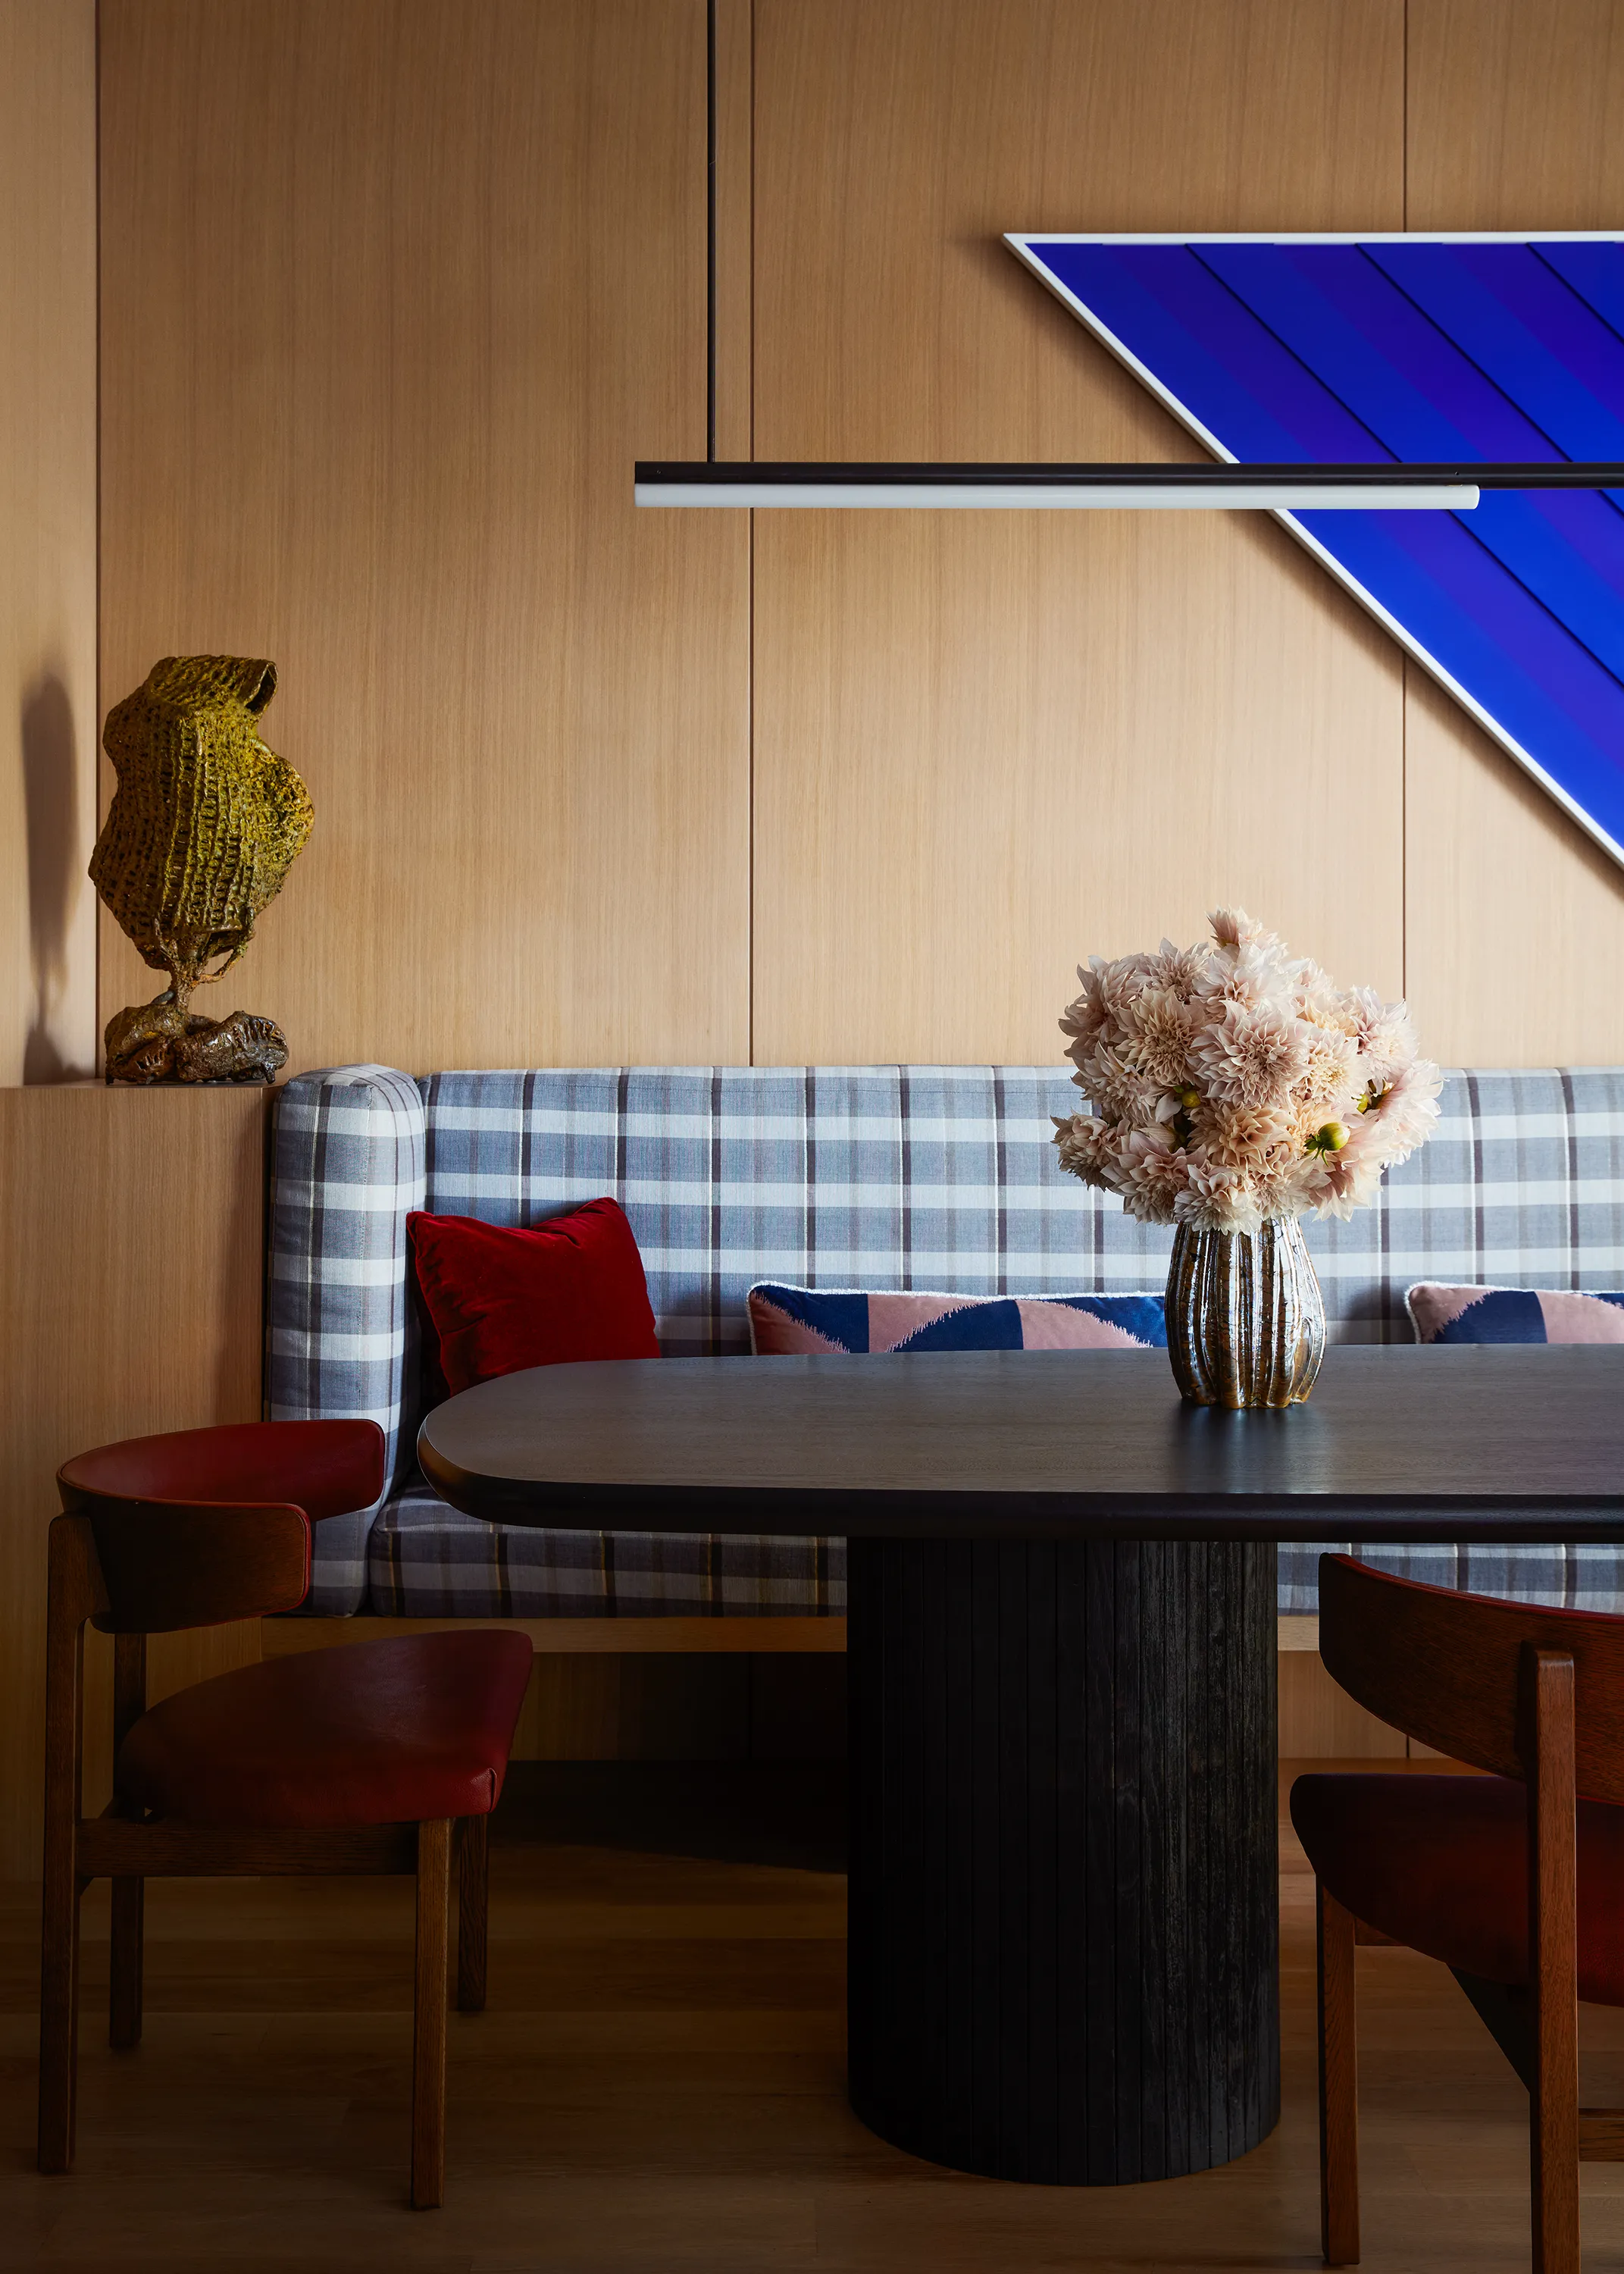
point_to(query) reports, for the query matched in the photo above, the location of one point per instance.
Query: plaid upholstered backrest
(883, 1177)
(346, 1165)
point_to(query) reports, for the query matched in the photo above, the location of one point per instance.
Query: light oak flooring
(657, 2081)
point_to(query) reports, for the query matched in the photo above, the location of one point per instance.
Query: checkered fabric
(341, 1342)
(1521, 1185)
(885, 1177)
(423, 1552)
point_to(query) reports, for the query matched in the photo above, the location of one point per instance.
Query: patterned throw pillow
(1513, 1315)
(792, 1321)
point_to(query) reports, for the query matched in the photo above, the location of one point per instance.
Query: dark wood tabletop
(1514, 1442)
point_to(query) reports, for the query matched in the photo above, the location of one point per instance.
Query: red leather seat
(396, 1732)
(1441, 1862)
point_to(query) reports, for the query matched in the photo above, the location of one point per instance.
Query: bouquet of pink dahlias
(1233, 1083)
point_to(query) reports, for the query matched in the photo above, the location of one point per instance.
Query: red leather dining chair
(1515, 1880)
(354, 1759)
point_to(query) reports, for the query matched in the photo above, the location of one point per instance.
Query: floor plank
(657, 2081)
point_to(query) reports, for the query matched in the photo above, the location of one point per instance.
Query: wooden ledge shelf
(620, 1637)
(565, 1637)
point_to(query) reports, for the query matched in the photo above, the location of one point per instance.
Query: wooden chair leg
(124, 2002)
(1339, 2085)
(58, 2012)
(74, 1594)
(428, 2059)
(129, 1895)
(473, 1910)
(1554, 2104)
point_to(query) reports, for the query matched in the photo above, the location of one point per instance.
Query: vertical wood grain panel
(735, 283)
(1320, 1721)
(130, 1254)
(394, 295)
(1514, 123)
(983, 753)
(1514, 114)
(1492, 859)
(986, 744)
(48, 537)
(651, 1708)
(896, 142)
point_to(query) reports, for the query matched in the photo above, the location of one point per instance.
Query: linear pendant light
(1383, 486)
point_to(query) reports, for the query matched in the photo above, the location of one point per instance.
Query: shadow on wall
(55, 866)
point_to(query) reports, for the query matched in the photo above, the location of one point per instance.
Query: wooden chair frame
(1497, 1685)
(129, 1851)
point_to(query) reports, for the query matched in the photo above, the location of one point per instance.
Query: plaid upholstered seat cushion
(426, 1560)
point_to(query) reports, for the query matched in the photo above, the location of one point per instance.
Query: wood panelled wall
(987, 744)
(48, 537)
(395, 292)
(130, 1257)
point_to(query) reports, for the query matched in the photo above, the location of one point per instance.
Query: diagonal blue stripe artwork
(1333, 350)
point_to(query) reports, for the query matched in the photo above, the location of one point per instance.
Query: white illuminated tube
(1074, 497)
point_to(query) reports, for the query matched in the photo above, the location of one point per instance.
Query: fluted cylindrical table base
(1063, 1869)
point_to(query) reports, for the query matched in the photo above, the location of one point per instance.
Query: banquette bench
(928, 1178)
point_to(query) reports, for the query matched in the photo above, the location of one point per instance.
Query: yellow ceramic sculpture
(204, 826)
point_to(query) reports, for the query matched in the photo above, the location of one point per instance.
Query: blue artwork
(1316, 349)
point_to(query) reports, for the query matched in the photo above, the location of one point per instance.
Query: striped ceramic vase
(1245, 1320)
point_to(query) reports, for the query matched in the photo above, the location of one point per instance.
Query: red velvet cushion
(395, 1732)
(500, 1299)
(1441, 1862)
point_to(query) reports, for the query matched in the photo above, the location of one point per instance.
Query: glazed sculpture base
(156, 1043)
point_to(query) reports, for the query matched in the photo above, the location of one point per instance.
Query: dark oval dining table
(1061, 1650)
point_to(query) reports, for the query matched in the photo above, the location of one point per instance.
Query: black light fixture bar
(1268, 488)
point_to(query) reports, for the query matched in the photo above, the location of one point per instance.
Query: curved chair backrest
(169, 1564)
(197, 1526)
(1452, 1669)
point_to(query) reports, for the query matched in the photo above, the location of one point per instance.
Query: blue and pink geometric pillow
(795, 1322)
(1513, 1315)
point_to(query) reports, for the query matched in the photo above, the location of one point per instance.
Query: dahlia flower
(1231, 1082)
